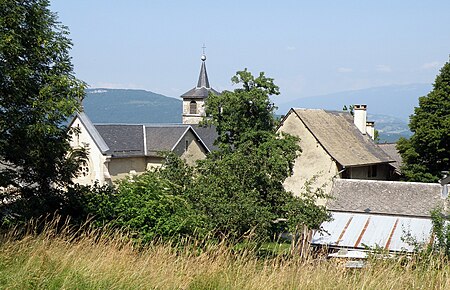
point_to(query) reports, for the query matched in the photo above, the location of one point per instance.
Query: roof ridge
(384, 181)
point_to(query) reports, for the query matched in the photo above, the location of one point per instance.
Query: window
(372, 171)
(193, 107)
(186, 145)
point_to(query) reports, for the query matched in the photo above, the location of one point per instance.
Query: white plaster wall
(154, 162)
(121, 167)
(313, 161)
(97, 162)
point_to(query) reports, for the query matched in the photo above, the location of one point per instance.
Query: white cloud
(291, 47)
(431, 65)
(345, 70)
(383, 68)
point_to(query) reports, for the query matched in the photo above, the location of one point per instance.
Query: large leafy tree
(427, 153)
(240, 187)
(38, 93)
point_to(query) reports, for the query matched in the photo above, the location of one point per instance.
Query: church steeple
(203, 77)
(194, 99)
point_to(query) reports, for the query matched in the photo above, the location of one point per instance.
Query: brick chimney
(360, 117)
(370, 129)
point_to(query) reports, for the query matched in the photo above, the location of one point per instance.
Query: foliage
(237, 192)
(148, 205)
(38, 93)
(426, 154)
(243, 111)
(350, 108)
(240, 187)
(441, 233)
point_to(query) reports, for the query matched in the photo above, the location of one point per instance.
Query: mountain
(388, 106)
(393, 100)
(390, 128)
(131, 106)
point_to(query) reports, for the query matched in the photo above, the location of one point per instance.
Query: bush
(147, 205)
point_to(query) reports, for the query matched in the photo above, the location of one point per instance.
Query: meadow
(93, 259)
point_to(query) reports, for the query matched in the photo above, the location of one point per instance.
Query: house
(391, 150)
(118, 150)
(334, 145)
(379, 214)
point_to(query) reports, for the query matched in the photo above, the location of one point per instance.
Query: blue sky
(308, 47)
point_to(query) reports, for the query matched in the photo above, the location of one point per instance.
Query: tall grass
(92, 259)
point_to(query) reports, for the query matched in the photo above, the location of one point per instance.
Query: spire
(203, 77)
(203, 88)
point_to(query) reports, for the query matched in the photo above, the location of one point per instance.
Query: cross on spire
(203, 48)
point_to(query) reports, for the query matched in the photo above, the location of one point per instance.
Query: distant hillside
(390, 128)
(131, 106)
(394, 100)
(139, 106)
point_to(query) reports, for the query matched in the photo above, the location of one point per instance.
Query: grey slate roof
(384, 197)
(203, 88)
(123, 140)
(207, 134)
(338, 135)
(163, 138)
(389, 149)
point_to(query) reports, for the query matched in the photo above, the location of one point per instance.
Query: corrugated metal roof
(359, 231)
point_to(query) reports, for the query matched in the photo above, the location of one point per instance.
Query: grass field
(98, 261)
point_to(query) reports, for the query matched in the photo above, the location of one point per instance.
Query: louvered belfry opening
(193, 107)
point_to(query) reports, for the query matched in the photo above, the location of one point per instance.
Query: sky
(308, 47)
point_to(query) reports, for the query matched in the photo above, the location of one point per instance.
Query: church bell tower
(194, 99)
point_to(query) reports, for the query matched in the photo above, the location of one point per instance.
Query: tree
(244, 111)
(38, 93)
(427, 153)
(240, 187)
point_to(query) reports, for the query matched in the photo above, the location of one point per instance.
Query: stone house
(334, 145)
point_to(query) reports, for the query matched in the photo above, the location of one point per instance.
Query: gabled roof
(163, 138)
(391, 150)
(201, 91)
(128, 140)
(207, 134)
(338, 135)
(385, 197)
(95, 135)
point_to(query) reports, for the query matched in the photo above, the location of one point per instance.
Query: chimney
(360, 117)
(370, 129)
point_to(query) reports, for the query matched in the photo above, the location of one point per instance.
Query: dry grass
(97, 261)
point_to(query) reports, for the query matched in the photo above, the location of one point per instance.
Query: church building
(116, 151)
(194, 99)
